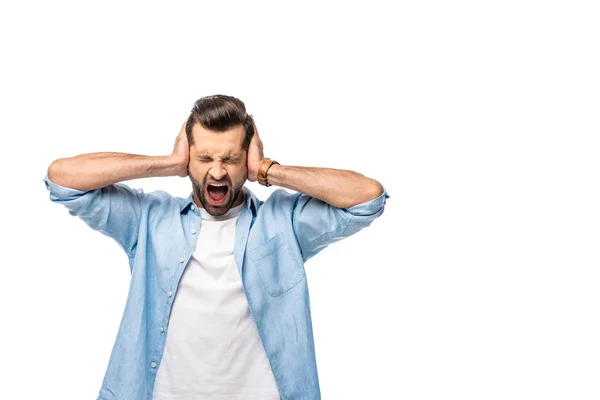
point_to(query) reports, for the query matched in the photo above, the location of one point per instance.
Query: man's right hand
(91, 171)
(181, 152)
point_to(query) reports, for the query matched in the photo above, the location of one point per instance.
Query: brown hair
(220, 113)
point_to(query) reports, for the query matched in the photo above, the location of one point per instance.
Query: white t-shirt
(213, 350)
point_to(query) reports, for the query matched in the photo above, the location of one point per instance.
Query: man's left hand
(255, 154)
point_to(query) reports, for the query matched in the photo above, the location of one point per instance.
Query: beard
(200, 192)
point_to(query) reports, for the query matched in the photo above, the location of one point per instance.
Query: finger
(255, 128)
(184, 124)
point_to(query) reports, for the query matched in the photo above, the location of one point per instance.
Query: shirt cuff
(370, 207)
(61, 192)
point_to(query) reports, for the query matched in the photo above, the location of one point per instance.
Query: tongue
(217, 192)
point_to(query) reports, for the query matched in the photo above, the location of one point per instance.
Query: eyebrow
(228, 156)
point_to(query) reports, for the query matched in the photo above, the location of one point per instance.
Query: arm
(331, 204)
(97, 170)
(88, 186)
(340, 188)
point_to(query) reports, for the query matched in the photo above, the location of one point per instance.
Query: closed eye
(227, 160)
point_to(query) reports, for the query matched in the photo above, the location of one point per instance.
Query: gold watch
(262, 171)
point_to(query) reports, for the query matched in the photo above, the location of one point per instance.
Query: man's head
(219, 132)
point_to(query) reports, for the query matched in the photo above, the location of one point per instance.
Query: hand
(181, 153)
(255, 154)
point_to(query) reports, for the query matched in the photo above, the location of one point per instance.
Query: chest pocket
(279, 271)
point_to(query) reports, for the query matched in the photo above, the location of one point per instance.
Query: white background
(481, 119)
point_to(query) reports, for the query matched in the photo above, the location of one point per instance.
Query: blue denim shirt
(273, 239)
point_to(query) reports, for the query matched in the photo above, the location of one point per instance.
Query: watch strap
(263, 170)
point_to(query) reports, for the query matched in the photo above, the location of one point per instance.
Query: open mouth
(217, 193)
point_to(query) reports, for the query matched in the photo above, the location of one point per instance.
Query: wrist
(275, 175)
(167, 166)
(262, 177)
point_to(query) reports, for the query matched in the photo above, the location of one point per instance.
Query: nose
(217, 171)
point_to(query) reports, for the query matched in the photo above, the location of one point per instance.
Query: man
(218, 306)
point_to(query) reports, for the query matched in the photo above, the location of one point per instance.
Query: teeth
(212, 184)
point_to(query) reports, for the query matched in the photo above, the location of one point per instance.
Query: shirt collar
(251, 200)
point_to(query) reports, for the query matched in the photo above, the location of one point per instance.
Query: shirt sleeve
(317, 224)
(113, 210)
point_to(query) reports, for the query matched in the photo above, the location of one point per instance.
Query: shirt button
(193, 231)
(162, 329)
(153, 365)
(193, 207)
(169, 294)
(181, 259)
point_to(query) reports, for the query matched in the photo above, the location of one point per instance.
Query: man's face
(218, 168)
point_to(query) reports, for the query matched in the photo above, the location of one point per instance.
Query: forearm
(340, 188)
(96, 170)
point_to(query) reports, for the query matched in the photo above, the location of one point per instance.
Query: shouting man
(218, 305)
